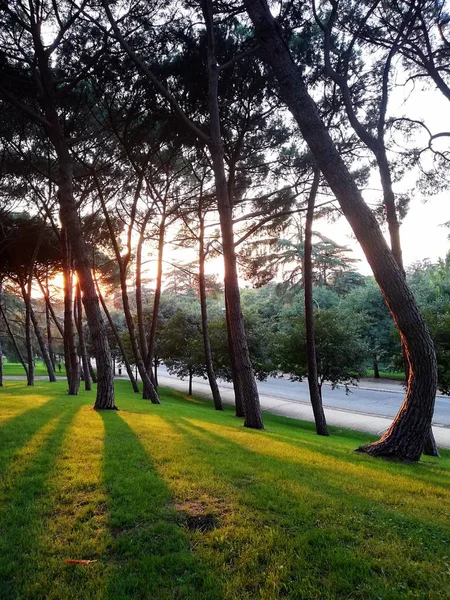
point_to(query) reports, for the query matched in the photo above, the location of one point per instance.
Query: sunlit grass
(179, 501)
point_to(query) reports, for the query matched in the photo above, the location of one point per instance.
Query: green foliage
(340, 350)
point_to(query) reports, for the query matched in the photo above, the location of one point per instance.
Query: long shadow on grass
(16, 431)
(25, 496)
(150, 555)
(330, 540)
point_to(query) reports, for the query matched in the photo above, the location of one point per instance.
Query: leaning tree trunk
(81, 341)
(205, 329)
(71, 223)
(70, 351)
(406, 436)
(313, 382)
(116, 334)
(43, 346)
(243, 367)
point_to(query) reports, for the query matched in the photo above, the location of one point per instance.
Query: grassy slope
(180, 502)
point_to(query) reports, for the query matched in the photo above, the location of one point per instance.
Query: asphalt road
(379, 398)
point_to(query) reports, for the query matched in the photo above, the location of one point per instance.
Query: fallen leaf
(72, 561)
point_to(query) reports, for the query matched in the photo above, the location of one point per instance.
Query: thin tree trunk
(92, 372)
(190, 383)
(243, 366)
(406, 436)
(139, 308)
(70, 351)
(204, 311)
(48, 323)
(376, 372)
(116, 334)
(42, 345)
(314, 391)
(81, 342)
(156, 301)
(28, 336)
(14, 342)
(155, 370)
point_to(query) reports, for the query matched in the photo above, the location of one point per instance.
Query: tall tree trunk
(116, 334)
(313, 382)
(70, 351)
(204, 311)
(43, 346)
(28, 336)
(155, 370)
(243, 366)
(70, 222)
(49, 323)
(238, 397)
(190, 383)
(81, 342)
(1, 363)
(406, 436)
(156, 301)
(138, 285)
(14, 342)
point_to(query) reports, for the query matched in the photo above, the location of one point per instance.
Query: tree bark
(139, 307)
(313, 382)
(81, 341)
(204, 312)
(238, 398)
(70, 351)
(48, 324)
(28, 336)
(376, 372)
(1, 364)
(190, 383)
(243, 366)
(406, 436)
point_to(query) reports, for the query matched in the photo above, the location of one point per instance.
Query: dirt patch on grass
(201, 514)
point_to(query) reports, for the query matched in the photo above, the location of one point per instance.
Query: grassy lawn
(39, 369)
(395, 375)
(179, 502)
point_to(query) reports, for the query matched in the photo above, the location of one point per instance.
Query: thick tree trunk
(238, 398)
(204, 311)
(113, 327)
(43, 346)
(406, 437)
(313, 383)
(69, 218)
(14, 342)
(243, 366)
(81, 342)
(70, 351)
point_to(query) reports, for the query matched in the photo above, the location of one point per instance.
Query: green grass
(395, 375)
(179, 502)
(39, 369)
